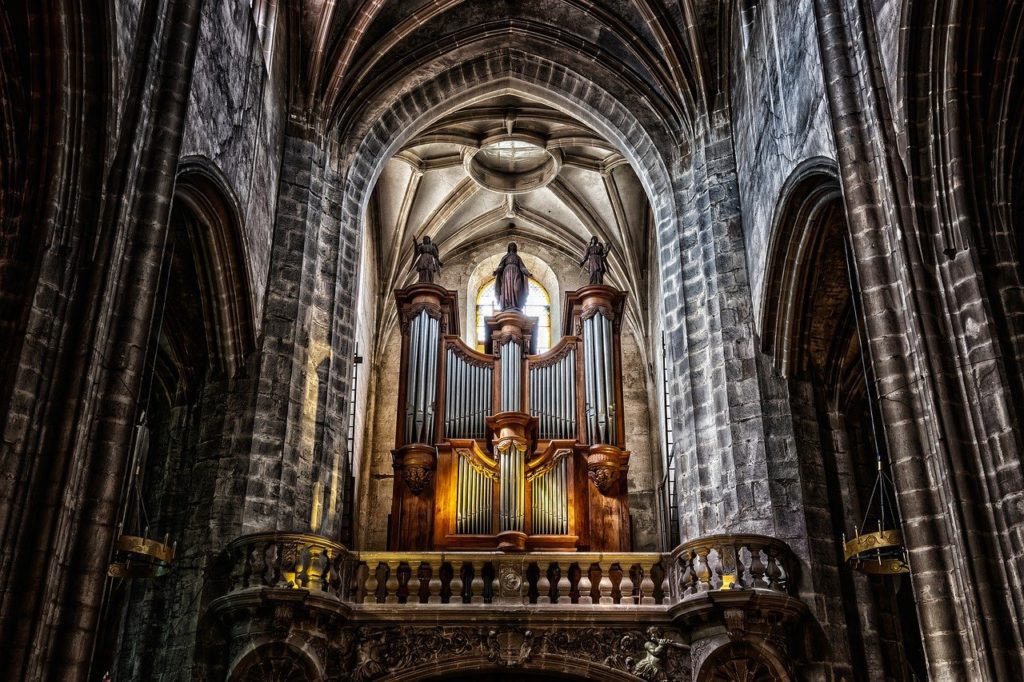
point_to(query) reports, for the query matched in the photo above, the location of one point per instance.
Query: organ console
(509, 449)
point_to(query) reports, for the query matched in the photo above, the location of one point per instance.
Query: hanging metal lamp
(878, 550)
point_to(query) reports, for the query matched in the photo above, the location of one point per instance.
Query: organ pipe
(550, 500)
(421, 379)
(467, 397)
(552, 391)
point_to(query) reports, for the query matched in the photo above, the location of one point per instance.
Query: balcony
(703, 588)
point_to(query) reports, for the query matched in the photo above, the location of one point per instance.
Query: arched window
(538, 305)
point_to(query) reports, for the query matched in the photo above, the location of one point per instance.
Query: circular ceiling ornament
(512, 163)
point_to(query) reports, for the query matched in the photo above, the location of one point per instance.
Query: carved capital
(604, 477)
(415, 462)
(605, 465)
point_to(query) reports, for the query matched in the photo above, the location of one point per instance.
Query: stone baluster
(257, 565)
(359, 578)
(370, 595)
(391, 584)
(774, 572)
(586, 587)
(757, 568)
(564, 587)
(456, 584)
(285, 560)
(701, 569)
(647, 583)
(544, 586)
(241, 569)
(434, 584)
(687, 578)
(476, 587)
(605, 586)
(626, 585)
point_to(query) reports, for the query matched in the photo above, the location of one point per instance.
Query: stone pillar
(968, 603)
(54, 575)
(723, 473)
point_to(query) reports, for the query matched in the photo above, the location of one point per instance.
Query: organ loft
(510, 449)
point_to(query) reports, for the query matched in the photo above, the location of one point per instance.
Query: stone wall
(236, 119)
(776, 69)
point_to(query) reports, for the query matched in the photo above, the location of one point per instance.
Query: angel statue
(511, 281)
(426, 262)
(595, 260)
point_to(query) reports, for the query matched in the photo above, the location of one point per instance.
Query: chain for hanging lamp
(878, 549)
(138, 555)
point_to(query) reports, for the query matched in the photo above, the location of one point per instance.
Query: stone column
(964, 596)
(54, 592)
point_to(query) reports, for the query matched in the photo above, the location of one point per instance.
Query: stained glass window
(538, 305)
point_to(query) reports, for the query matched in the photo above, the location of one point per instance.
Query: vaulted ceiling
(513, 160)
(508, 166)
(664, 50)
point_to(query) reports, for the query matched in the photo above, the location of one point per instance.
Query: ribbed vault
(429, 189)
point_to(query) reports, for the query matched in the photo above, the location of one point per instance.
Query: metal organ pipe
(609, 360)
(410, 381)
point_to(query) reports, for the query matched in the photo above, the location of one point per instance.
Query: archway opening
(814, 329)
(424, 189)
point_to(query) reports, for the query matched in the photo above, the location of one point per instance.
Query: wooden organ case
(509, 449)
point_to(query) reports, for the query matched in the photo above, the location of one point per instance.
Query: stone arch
(289, 660)
(218, 246)
(812, 326)
(571, 668)
(393, 116)
(749, 659)
(655, 151)
(555, 85)
(805, 201)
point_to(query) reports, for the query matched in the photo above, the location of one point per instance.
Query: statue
(595, 260)
(426, 262)
(511, 285)
(656, 650)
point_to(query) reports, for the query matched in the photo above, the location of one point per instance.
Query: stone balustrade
(720, 562)
(540, 579)
(285, 560)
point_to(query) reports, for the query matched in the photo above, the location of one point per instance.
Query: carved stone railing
(711, 564)
(721, 562)
(289, 560)
(369, 615)
(541, 579)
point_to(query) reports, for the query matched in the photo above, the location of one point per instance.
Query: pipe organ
(509, 449)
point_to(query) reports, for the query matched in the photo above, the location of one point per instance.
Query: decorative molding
(475, 459)
(392, 651)
(539, 468)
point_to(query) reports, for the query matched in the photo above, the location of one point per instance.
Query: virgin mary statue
(511, 284)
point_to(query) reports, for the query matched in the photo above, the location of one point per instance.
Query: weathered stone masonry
(238, 150)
